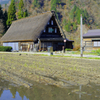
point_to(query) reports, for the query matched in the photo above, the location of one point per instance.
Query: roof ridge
(93, 29)
(32, 16)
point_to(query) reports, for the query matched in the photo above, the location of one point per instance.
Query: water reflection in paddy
(10, 91)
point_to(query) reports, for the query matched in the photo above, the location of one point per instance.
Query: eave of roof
(18, 41)
(69, 40)
(51, 39)
(56, 39)
(92, 34)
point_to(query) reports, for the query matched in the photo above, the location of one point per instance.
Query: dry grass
(48, 69)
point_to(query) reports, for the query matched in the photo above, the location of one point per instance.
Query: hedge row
(5, 48)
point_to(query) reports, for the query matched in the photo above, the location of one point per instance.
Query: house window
(48, 23)
(55, 30)
(44, 30)
(96, 43)
(52, 22)
(99, 43)
(50, 30)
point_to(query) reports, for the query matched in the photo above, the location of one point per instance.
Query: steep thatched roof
(27, 29)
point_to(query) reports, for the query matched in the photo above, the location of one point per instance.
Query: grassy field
(59, 71)
(84, 52)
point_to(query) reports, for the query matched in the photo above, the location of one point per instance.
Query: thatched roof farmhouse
(36, 32)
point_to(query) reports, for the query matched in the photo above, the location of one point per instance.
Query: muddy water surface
(10, 91)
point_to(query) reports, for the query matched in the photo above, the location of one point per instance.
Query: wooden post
(43, 46)
(40, 45)
(64, 45)
(33, 46)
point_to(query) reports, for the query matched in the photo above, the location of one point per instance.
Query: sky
(4, 1)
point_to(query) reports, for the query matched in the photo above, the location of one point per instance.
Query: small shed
(91, 40)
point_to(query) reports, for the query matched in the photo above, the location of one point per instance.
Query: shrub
(68, 49)
(96, 52)
(76, 48)
(5, 48)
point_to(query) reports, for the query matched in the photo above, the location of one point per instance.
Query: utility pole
(81, 38)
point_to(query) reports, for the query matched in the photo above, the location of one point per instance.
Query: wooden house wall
(69, 45)
(25, 46)
(46, 34)
(88, 44)
(57, 45)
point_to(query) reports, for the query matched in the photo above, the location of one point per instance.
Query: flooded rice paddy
(36, 77)
(10, 91)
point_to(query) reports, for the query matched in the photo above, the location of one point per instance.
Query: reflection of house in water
(91, 40)
(36, 33)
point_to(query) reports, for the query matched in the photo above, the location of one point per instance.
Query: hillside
(66, 11)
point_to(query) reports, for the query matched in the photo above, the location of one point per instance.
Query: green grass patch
(67, 56)
(78, 52)
(96, 52)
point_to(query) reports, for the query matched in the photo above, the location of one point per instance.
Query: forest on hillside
(67, 12)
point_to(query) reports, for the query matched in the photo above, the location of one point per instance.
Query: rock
(20, 54)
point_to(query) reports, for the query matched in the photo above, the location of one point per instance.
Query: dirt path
(59, 71)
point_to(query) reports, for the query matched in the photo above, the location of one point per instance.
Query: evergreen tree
(68, 26)
(4, 20)
(72, 13)
(21, 9)
(25, 13)
(85, 16)
(55, 2)
(21, 5)
(1, 21)
(74, 26)
(3, 17)
(13, 91)
(36, 3)
(53, 5)
(64, 22)
(54, 9)
(77, 15)
(58, 1)
(1, 91)
(1, 12)
(11, 13)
